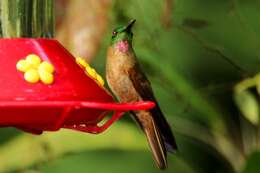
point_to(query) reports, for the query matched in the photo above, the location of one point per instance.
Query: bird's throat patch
(122, 46)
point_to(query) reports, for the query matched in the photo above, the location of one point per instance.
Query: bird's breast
(117, 67)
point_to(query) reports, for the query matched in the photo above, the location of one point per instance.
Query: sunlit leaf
(248, 105)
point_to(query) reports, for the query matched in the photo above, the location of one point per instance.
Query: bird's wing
(143, 87)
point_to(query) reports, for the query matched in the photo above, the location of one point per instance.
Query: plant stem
(26, 18)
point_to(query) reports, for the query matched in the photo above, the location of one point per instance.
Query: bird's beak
(130, 25)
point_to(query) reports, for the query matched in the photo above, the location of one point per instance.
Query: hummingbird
(129, 84)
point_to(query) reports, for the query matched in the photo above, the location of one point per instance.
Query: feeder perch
(73, 100)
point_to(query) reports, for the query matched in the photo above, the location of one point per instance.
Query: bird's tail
(157, 146)
(154, 138)
(158, 133)
(164, 128)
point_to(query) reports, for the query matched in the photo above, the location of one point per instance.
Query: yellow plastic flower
(82, 62)
(35, 70)
(33, 60)
(100, 80)
(46, 66)
(46, 77)
(32, 76)
(22, 65)
(90, 71)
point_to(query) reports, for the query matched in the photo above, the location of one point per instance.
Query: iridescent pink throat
(122, 46)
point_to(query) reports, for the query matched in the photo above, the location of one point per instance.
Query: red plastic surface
(73, 101)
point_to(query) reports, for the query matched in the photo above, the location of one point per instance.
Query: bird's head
(122, 36)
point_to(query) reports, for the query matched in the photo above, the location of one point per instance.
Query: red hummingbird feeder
(74, 100)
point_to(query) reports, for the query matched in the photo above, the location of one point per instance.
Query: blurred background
(202, 58)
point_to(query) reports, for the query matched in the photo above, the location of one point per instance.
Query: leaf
(248, 105)
(252, 164)
(235, 37)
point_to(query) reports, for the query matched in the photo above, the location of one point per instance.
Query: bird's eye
(114, 33)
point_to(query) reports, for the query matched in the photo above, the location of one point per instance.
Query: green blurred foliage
(252, 165)
(193, 64)
(112, 161)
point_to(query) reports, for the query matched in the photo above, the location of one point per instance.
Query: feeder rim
(28, 38)
(140, 105)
